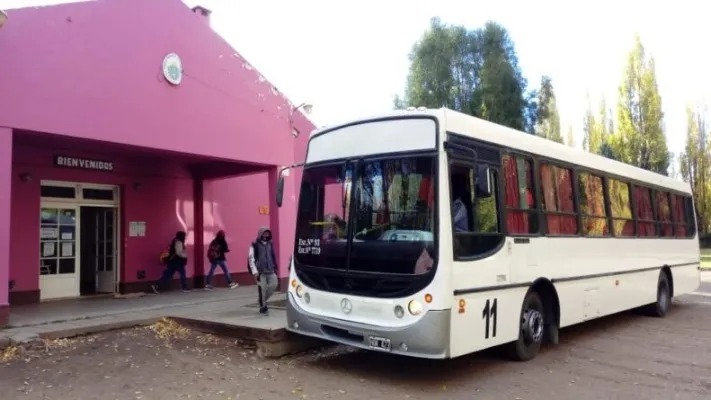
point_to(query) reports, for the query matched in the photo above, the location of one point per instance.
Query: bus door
(521, 217)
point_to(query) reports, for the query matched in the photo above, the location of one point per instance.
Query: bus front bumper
(427, 338)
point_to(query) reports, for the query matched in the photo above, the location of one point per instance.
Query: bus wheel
(531, 330)
(661, 307)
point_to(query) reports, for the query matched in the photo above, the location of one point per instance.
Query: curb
(29, 338)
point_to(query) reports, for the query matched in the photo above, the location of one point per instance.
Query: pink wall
(99, 79)
(164, 201)
(233, 205)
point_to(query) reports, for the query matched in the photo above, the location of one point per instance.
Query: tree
(547, 118)
(597, 130)
(500, 95)
(569, 137)
(640, 138)
(442, 69)
(695, 166)
(472, 71)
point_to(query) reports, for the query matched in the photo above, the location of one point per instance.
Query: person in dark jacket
(177, 260)
(263, 266)
(216, 255)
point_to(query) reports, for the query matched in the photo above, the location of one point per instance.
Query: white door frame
(78, 201)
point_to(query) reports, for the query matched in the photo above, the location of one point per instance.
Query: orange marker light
(293, 283)
(428, 298)
(462, 303)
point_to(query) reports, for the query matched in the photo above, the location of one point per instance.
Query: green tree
(472, 71)
(442, 69)
(547, 118)
(695, 166)
(500, 95)
(597, 129)
(640, 138)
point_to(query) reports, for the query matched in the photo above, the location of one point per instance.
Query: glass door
(58, 262)
(105, 250)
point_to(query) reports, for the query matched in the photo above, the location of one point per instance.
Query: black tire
(662, 306)
(531, 329)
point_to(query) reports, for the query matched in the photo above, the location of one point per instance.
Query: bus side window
(475, 218)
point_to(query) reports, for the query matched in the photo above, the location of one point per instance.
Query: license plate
(379, 343)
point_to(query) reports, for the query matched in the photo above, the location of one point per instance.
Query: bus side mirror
(483, 181)
(280, 191)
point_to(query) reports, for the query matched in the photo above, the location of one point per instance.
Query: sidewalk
(233, 307)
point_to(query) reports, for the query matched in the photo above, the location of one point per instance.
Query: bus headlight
(307, 297)
(299, 290)
(399, 311)
(414, 307)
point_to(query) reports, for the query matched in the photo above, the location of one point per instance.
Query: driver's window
(475, 221)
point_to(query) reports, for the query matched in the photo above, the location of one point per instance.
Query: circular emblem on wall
(173, 68)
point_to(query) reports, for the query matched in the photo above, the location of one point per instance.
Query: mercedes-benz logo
(346, 306)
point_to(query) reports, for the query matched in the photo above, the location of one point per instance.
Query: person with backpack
(216, 255)
(174, 261)
(262, 263)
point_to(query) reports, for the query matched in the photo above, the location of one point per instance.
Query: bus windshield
(372, 216)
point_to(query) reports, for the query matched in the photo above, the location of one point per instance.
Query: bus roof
(477, 128)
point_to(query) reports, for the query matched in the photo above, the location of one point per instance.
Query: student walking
(176, 261)
(262, 265)
(216, 255)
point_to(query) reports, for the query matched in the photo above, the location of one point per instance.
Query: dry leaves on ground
(167, 329)
(10, 353)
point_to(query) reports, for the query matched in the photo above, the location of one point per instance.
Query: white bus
(434, 234)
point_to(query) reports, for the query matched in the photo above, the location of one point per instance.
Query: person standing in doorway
(216, 255)
(263, 266)
(177, 259)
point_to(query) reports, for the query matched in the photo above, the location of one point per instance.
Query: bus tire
(531, 329)
(661, 307)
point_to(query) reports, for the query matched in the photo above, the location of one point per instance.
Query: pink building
(122, 122)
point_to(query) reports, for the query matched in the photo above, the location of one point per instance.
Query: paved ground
(61, 318)
(621, 357)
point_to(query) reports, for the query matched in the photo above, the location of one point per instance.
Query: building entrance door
(98, 250)
(79, 239)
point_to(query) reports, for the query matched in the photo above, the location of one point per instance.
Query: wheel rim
(532, 326)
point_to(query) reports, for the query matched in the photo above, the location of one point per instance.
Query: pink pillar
(5, 199)
(199, 217)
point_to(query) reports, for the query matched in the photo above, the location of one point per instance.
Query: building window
(664, 214)
(58, 192)
(519, 199)
(558, 204)
(620, 208)
(57, 241)
(97, 194)
(475, 218)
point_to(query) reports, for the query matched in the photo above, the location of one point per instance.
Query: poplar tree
(640, 138)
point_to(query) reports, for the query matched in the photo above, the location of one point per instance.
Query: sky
(349, 58)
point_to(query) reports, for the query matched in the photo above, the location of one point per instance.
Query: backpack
(213, 251)
(167, 254)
